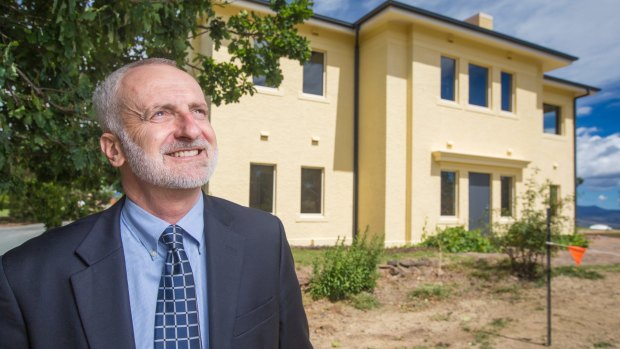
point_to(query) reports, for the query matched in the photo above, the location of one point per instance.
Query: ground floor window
(554, 198)
(448, 193)
(507, 190)
(311, 190)
(262, 178)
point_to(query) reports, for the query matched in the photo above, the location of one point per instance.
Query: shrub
(343, 271)
(51, 203)
(524, 240)
(458, 239)
(575, 239)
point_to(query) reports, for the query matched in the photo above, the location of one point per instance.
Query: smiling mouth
(185, 153)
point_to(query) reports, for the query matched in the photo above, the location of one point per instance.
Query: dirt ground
(481, 310)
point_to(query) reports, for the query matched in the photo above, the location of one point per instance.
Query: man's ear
(111, 148)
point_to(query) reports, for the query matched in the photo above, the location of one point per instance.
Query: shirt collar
(147, 228)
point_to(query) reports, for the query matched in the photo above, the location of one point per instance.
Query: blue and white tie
(176, 314)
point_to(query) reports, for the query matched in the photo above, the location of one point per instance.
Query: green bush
(343, 271)
(525, 244)
(51, 203)
(524, 240)
(575, 239)
(458, 239)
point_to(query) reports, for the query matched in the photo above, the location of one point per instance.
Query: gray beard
(155, 172)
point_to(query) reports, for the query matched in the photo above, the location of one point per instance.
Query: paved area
(11, 236)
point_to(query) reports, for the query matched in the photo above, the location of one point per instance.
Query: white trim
(477, 159)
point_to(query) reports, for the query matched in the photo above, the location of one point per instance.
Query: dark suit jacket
(68, 288)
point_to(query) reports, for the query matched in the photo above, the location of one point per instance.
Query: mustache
(181, 145)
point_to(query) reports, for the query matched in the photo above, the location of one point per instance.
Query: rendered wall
(291, 120)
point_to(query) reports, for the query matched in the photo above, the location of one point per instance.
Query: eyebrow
(147, 113)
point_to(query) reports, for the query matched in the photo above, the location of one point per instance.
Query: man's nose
(187, 126)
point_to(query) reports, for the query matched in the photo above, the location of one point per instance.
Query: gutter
(356, 112)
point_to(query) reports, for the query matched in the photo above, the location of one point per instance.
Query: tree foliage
(54, 52)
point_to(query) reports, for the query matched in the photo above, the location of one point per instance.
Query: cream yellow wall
(403, 121)
(291, 120)
(440, 125)
(372, 135)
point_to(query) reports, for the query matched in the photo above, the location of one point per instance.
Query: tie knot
(172, 237)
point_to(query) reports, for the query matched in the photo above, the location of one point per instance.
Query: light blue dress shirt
(144, 260)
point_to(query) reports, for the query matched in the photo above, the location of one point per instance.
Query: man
(166, 266)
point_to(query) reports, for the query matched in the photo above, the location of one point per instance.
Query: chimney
(482, 20)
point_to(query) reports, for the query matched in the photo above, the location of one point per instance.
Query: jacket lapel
(224, 261)
(101, 291)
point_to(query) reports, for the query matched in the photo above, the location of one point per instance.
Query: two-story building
(403, 121)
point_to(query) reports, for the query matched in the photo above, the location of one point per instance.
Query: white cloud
(602, 197)
(598, 158)
(583, 111)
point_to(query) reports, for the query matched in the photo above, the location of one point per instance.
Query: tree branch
(39, 91)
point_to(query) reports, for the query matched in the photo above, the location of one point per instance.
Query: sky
(588, 29)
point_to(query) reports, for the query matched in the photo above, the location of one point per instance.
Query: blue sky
(589, 30)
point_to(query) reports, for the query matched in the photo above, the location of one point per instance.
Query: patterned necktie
(176, 315)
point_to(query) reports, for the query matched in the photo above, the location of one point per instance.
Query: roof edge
(588, 88)
(462, 24)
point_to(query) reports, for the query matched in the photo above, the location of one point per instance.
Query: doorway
(479, 201)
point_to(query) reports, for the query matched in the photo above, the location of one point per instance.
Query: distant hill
(588, 215)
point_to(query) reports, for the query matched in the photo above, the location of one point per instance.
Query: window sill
(273, 91)
(448, 220)
(506, 220)
(508, 114)
(311, 218)
(479, 109)
(554, 137)
(313, 98)
(448, 103)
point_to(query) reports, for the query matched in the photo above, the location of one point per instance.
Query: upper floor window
(314, 74)
(311, 190)
(448, 193)
(507, 93)
(478, 85)
(261, 187)
(448, 78)
(260, 80)
(552, 121)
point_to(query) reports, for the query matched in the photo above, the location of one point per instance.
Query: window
(554, 199)
(448, 193)
(506, 91)
(478, 85)
(448, 78)
(261, 187)
(311, 190)
(314, 72)
(260, 80)
(552, 119)
(506, 193)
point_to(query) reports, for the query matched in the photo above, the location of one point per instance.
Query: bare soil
(481, 309)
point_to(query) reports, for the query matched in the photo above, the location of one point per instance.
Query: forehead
(158, 81)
